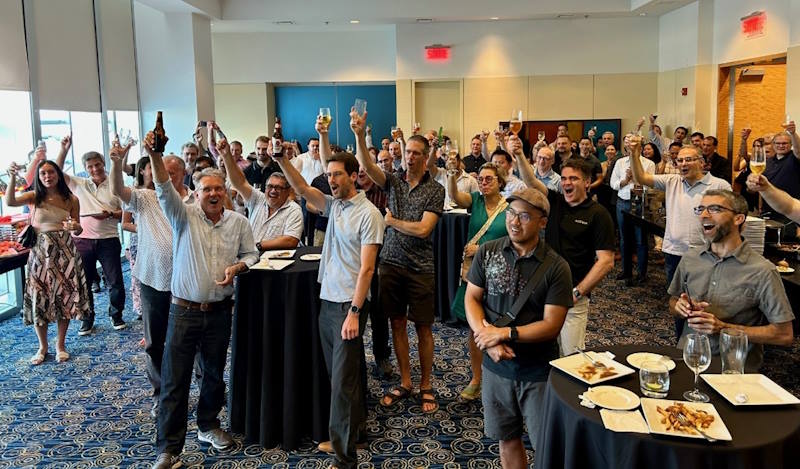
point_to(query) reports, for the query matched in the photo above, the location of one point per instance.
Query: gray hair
(737, 202)
(280, 175)
(208, 172)
(92, 155)
(177, 159)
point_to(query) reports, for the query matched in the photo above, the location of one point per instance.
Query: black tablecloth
(9, 263)
(449, 238)
(279, 388)
(573, 436)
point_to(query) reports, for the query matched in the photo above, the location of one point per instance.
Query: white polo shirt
(95, 199)
(287, 220)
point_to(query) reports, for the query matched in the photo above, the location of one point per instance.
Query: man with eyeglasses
(683, 194)
(464, 181)
(517, 351)
(783, 171)
(725, 284)
(582, 232)
(543, 169)
(276, 219)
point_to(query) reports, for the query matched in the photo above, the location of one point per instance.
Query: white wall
(677, 38)
(730, 44)
(166, 72)
(537, 47)
(279, 57)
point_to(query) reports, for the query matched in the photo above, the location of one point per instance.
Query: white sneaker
(218, 438)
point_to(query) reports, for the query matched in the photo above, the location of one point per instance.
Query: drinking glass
(733, 351)
(394, 132)
(758, 162)
(515, 123)
(654, 379)
(325, 116)
(541, 136)
(349, 148)
(360, 106)
(697, 356)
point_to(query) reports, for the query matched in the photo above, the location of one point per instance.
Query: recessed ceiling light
(424, 20)
(285, 22)
(354, 21)
(495, 18)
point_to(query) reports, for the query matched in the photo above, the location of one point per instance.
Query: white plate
(759, 389)
(272, 264)
(784, 270)
(573, 363)
(716, 430)
(311, 257)
(278, 254)
(612, 397)
(636, 359)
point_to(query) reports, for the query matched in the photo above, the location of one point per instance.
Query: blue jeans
(108, 251)
(670, 264)
(626, 243)
(186, 330)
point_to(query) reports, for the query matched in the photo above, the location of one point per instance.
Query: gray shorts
(507, 404)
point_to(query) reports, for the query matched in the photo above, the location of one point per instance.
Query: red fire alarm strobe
(437, 52)
(684, 91)
(753, 24)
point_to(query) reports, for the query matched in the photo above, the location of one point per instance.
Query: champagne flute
(515, 124)
(758, 163)
(697, 356)
(325, 116)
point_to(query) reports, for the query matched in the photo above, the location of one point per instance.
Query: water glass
(654, 379)
(733, 351)
(360, 106)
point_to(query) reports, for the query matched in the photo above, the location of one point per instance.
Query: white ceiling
(262, 15)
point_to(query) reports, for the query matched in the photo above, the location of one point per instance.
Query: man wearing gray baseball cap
(518, 293)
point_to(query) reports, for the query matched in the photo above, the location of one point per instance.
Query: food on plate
(8, 248)
(588, 371)
(783, 267)
(694, 418)
(783, 263)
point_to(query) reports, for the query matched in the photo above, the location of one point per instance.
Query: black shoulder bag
(509, 316)
(27, 237)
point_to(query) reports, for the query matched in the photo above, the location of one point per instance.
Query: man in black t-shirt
(582, 232)
(518, 353)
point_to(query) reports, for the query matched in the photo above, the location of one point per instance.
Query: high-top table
(449, 239)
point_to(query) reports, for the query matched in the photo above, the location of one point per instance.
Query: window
(85, 128)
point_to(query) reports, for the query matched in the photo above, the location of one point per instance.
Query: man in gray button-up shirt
(728, 285)
(211, 246)
(354, 234)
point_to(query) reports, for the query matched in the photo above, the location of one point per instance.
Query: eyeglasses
(273, 187)
(686, 160)
(524, 217)
(780, 143)
(712, 209)
(486, 179)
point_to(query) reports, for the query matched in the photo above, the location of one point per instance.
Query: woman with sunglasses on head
(55, 288)
(486, 223)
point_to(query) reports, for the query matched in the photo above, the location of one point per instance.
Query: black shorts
(403, 292)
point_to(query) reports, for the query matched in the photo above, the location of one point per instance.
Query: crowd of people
(541, 238)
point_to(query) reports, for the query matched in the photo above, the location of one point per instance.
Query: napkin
(586, 402)
(624, 421)
(272, 264)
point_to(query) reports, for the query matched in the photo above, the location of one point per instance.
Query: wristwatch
(513, 334)
(577, 293)
(355, 310)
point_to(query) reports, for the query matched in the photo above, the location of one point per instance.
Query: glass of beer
(759, 161)
(325, 115)
(515, 124)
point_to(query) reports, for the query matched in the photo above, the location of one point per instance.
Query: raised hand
(757, 182)
(66, 143)
(484, 135)
(357, 122)
(320, 126)
(12, 170)
(117, 152)
(790, 127)
(746, 133)
(223, 147)
(149, 142)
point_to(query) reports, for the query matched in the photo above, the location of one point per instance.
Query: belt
(191, 305)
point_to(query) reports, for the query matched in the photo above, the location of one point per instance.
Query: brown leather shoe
(327, 446)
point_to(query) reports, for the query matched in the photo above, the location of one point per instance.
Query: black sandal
(428, 400)
(398, 393)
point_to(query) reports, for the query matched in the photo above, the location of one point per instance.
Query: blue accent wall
(299, 105)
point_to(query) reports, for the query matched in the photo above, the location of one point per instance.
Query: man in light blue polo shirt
(352, 239)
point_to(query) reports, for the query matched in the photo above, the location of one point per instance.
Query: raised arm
(640, 176)
(463, 199)
(313, 196)
(38, 157)
(742, 154)
(160, 174)
(791, 129)
(779, 200)
(324, 142)
(362, 155)
(66, 143)
(11, 194)
(116, 184)
(528, 175)
(234, 172)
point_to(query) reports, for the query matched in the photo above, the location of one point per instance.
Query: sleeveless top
(48, 217)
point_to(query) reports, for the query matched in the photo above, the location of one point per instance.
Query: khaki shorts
(404, 292)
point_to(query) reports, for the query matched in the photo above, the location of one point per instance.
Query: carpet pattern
(94, 410)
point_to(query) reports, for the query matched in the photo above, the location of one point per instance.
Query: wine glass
(541, 136)
(697, 356)
(515, 123)
(325, 116)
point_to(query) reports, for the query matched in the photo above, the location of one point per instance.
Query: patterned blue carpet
(93, 411)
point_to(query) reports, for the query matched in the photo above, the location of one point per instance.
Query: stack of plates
(753, 232)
